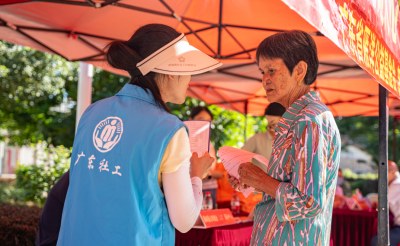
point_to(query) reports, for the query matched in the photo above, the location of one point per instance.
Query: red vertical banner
(367, 30)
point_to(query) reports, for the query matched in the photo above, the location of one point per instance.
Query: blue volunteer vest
(114, 197)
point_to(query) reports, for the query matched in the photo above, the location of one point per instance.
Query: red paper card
(214, 218)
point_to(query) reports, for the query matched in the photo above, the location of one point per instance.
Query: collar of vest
(137, 92)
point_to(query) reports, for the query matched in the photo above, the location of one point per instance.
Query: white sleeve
(184, 198)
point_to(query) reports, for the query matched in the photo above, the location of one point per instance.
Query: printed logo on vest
(107, 134)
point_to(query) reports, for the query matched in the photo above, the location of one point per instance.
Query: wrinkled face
(272, 122)
(174, 88)
(203, 115)
(276, 79)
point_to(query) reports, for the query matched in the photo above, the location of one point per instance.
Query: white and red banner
(367, 30)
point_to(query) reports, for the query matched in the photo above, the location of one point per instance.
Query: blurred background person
(210, 181)
(50, 218)
(394, 204)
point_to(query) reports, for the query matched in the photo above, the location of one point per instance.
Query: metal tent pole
(84, 90)
(383, 211)
(221, 2)
(394, 138)
(246, 103)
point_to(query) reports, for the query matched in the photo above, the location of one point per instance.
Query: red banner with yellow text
(367, 30)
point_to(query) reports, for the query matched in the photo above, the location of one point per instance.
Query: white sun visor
(178, 58)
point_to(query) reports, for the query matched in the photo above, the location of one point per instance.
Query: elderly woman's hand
(253, 176)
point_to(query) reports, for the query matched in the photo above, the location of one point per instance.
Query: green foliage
(358, 184)
(10, 194)
(348, 174)
(106, 84)
(32, 82)
(363, 131)
(35, 181)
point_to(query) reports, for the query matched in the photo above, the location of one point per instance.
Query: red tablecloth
(231, 235)
(349, 228)
(353, 228)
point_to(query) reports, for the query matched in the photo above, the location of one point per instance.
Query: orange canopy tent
(228, 30)
(347, 33)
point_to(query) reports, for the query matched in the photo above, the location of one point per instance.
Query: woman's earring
(299, 83)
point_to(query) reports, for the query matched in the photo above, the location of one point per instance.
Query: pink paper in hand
(232, 158)
(199, 136)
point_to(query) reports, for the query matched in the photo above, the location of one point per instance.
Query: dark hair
(145, 41)
(275, 109)
(292, 47)
(197, 110)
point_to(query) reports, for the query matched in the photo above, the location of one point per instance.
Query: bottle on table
(235, 204)
(207, 201)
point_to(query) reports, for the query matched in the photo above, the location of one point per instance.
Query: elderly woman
(299, 187)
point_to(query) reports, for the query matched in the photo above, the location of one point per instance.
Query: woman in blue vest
(133, 179)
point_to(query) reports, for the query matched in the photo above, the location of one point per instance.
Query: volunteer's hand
(201, 166)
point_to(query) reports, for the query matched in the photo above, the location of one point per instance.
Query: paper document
(199, 136)
(232, 158)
